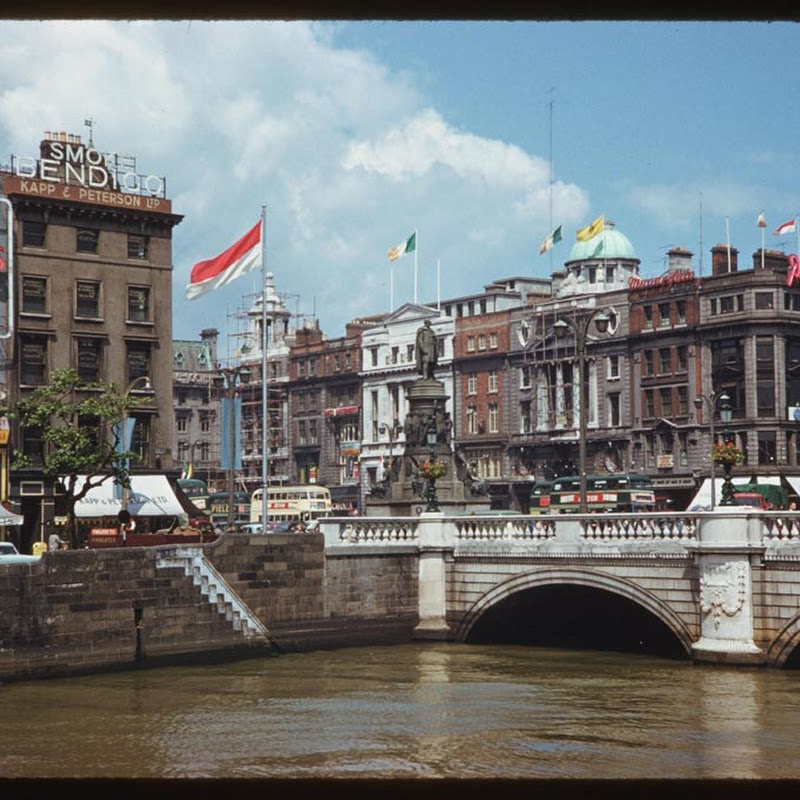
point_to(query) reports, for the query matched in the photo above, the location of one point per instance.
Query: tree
(79, 426)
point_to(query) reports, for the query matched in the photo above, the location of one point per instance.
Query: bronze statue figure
(427, 352)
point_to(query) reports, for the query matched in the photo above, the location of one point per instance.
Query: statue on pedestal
(426, 350)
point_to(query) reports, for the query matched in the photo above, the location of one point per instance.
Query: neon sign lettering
(794, 270)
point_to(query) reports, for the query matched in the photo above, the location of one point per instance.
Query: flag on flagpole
(590, 231)
(408, 246)
(787, 227)
(552, 239)
(238, 259)
(761, 222)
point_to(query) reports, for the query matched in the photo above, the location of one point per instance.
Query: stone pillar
(728, 547)
(435, 550)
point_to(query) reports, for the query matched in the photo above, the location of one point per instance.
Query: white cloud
(348, 157)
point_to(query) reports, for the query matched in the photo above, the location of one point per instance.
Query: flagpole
(416, 250)
(391, 288)
(438, 286)
(763, 228)
(264, 389)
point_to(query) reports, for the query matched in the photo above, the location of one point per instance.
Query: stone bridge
(720, 586)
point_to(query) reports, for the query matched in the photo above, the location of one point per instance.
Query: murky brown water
(408, 711)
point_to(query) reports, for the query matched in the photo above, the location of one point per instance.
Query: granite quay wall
(91, 610)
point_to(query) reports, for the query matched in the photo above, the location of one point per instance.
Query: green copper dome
(609, 243)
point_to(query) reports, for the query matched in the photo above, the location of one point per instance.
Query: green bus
(623, 493)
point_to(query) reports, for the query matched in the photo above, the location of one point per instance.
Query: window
(374, 413)
(87, 299)
(337, 363)
(664, 361)
(140, 440)
(301, 431)
(312, 430)
(182, 423)
(138, 360)
(647, 364)
(648, 317)
(493, 380)
(373, 353)
(524, 377)
(666, 402)
(613, 368)
(137, 247)
(765, 376)
(472, 419)
(649, 404)
(138, 304)
(763, 301)
(482, 342)
(205, 421)
(609, 274)
(614, 414)
(33, 361)
(34, 294)
(410, 354)
(32, 233)
(494, 418)
(493, 341)
(472, 384)
(766, 447)
(680, 354)
(395, 354)
(470, 344)
(89, 358)
(680, 312)
(726, 305)
(301, 401)
(683, 401)
(663, 315)
(86, 240)
(525, 416)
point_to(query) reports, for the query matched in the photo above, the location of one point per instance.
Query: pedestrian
(54, 542)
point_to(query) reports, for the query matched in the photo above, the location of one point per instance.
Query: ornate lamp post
(394, 430)
(228, 378)
(711, 401)
(579, 321)
(433, 500)
(726, 414)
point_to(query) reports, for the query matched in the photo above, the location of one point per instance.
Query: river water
(423, 710)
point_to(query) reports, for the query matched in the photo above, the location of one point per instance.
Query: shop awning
(149, 496)
(8, 518)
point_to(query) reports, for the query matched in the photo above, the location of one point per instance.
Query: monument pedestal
(402, 492)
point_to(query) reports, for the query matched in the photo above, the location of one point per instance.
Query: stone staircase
(214, 588)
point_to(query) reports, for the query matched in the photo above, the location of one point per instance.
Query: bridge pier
(728, 547)
(435, 549)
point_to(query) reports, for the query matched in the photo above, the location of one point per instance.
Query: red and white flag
(237, 260)
(787, 227)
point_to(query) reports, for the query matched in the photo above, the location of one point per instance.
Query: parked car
(251, 527)
(10, 555)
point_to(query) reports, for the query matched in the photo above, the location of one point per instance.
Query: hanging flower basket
(431, 470)
(727, 454)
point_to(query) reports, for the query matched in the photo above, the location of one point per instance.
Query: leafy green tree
(78, 423)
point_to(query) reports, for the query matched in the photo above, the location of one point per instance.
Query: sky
(481, 136)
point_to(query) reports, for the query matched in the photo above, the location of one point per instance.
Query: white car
(10, 555)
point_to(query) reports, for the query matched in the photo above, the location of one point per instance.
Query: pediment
(410, 312)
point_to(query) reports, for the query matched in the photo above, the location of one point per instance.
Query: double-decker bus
(540, 497)
(615, 492)
(218, 508)
(292, 503)
(197, 491)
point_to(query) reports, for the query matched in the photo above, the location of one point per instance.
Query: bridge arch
(785, 645)
(579, 577)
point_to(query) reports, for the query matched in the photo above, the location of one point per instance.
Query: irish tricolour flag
(238, 259)
(408, 246)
